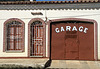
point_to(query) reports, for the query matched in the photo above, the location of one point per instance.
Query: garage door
(73, 40)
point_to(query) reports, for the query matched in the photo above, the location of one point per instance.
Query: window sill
(36, 56)
(14, 51)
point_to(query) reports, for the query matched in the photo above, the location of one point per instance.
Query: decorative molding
(4, 36)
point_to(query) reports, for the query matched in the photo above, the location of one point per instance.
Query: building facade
(59, 30)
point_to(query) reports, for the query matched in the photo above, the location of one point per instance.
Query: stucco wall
(26, 16)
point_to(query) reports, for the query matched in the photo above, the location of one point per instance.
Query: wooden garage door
(72, 40)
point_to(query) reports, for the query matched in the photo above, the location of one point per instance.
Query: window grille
(14, 35)
(36, 30)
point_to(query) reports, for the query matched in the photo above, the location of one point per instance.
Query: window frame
(5, 37)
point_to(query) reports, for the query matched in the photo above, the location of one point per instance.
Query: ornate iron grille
(36, 39)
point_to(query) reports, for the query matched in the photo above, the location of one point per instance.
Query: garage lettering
(69, 28)
(74, 28)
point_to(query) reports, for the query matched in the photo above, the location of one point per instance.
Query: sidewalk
(75, 64)
(27, 62)
(61, 64)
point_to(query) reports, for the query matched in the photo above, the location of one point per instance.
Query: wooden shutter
(14, 36)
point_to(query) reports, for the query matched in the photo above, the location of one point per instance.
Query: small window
(14, 36)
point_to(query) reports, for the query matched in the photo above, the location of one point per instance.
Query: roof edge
(47, 2)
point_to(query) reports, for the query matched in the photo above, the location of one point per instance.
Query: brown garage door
(72, 40)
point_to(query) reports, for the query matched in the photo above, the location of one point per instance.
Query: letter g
(57, 30)
(81, 28)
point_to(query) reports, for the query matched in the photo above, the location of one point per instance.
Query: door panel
(57, 42)
(71, 42)
(64, 44)
(10, 38)
(36, 40)
(18, 38)
(86, 42)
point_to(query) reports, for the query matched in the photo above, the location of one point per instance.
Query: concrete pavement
(61, 64)
(75, 64)
(33, 62)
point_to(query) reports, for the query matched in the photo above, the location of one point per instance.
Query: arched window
(37, 38)
(13, 35)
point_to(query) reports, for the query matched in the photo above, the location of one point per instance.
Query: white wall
(26, 16)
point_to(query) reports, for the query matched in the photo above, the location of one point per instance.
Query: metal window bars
(14, 35)
(36, 39)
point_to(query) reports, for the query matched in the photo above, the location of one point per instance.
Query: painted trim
(44, 38)
(4, 36)
(24, 58)
(76, 19)
(96, 40)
